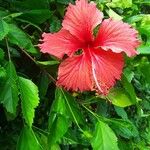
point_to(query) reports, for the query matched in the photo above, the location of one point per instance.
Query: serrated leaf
(104, 138)
(9, 93)
(4, 29)
(29, 99)
(124, 128)
(18, 37)
(28, 140)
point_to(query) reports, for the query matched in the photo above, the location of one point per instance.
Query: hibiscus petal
(81, 19)
(59, 43)
(106, 69)
(74, 73)
(118, 37)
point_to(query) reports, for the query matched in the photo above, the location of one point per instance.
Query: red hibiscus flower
(94, 62)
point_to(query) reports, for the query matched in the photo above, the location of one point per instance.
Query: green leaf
(1, 54)
(63, 111)
(3, 14)
(29, 99)
(31, 4)
(2, 73)
(119, 97)
(114, 15)
(121, 112)
(129, 89)
(145, 25)
(124, 128)
(57, 129)
(64, 1)
(28, 140)
(4, 29)
(65, 104)
(145, 69)
(18, 37)
(144, 49)
(104, 138)
(9, 93)
(36, 16)
(43, 84)
(120, 3)
(55, 25)
(48, 63)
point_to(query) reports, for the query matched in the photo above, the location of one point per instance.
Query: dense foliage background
(37, 115)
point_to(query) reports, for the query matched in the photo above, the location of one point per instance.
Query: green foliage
(18, 37)
(103, 132)
(37, 115)
(29, 99)
(9, 93)
(28, 140)
(4, 29)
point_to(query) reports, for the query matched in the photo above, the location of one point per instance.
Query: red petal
(97, 69)
(118, 37)
(59, 43)
(106, 68)
(74, 73)
(81, 19)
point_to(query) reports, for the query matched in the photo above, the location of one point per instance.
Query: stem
(8, 50)
(95, 115)
(40, 129)
(32, 59)
(72, 111)
(28, 55)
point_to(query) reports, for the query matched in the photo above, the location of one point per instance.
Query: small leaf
(104, 138)
(9, 93)
(121, 112)
(119, 97)
(48, 63)
(4, 29)
(29, 99)
(114, 15)
(19, 38)
(28, 140)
